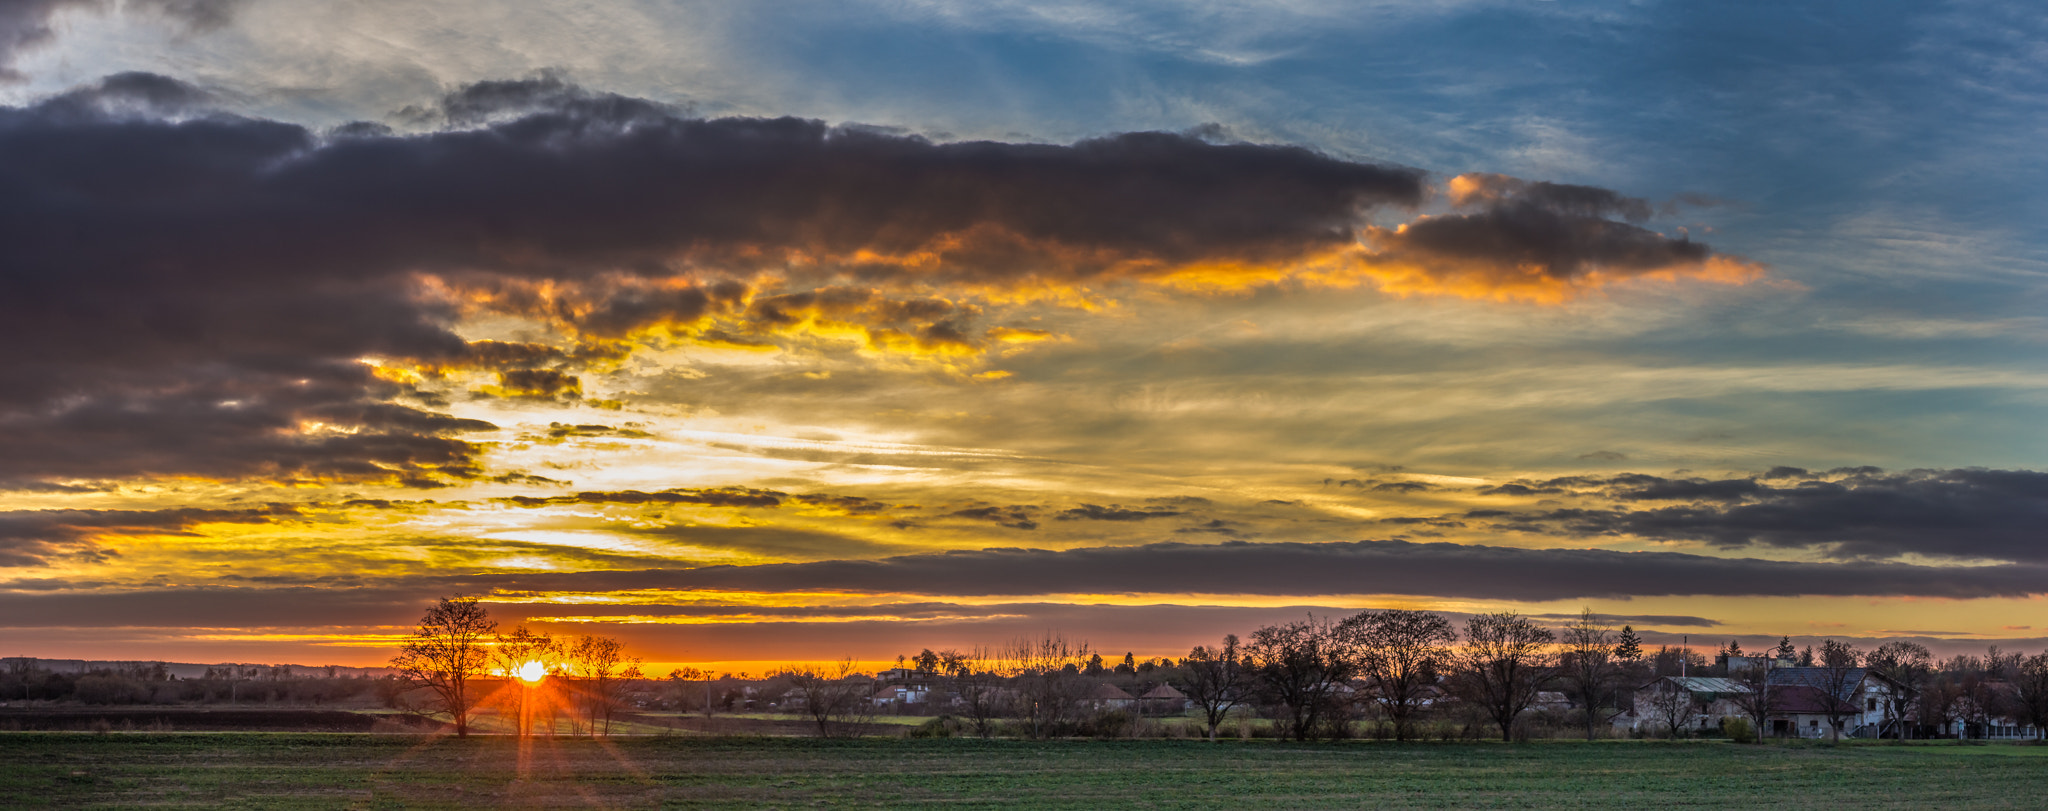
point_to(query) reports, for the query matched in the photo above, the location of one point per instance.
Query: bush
(97, 689)
(1738, 730)
(1110, 724)
(944, 726)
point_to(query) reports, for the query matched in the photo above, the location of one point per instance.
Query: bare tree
(599, 663)
(1588, 664)
(1837, 672)
(683, 686)
(836, 697)
(1940, 701)
(1299, 666)
(1046, 672)
(446, 652)
(1910, 665)
(1672, 702)
(1216, 681)
(2029, 679)
(1505, 661)
(1761, 699)
(984, 694)
(1400, 652)
(510, 654)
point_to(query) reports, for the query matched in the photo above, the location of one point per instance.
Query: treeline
(1395, 673)
(1391, 672)
(26, 679)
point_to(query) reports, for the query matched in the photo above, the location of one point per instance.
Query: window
(1870, 706)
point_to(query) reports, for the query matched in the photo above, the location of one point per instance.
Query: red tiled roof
(1806, 700)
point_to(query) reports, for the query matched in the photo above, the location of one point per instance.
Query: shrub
(944, 726)
(1110, 724)
(1738, 730)
(96, 689)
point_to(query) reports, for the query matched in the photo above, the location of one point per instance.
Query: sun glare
(531, 672)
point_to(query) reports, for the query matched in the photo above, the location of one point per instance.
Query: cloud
(713, 497)
(1114, 512)
(779, 542)
(1339, 568)
(1515, 239)
(1634, 619)
(196, 15)
(25, 24)
(235, 273)
(1015, 517)
(1847, 513)
(560, 431)
(35, 537)
(537, 384)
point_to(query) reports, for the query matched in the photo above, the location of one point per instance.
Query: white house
(1810, 699)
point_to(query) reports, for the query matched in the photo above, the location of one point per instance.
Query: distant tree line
(29, 679)
(1400, 674)
(1389, 672)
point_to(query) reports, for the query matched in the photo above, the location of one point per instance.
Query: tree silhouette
(1400, 652)
(446, 652)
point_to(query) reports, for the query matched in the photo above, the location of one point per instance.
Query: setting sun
(531, 672)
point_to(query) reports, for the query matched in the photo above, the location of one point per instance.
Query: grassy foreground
(395, 771)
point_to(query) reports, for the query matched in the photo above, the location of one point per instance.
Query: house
(900, 694)
(1685, 703)
(1550, 701)
(1110, 697)
(1812, 699)
(1163, 700)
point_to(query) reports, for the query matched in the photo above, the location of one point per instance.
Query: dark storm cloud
(34, 537)
(1362, 567)
(1848, 513)
(186, 291)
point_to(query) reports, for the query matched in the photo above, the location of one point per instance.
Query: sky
(790, 331)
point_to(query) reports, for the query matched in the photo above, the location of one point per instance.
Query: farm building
(1684, 703)
(1814, 698)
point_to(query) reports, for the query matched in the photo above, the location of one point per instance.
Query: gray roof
(1706, 684)
(1819, 678)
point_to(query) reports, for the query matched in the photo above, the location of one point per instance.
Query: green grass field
(264, 770)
